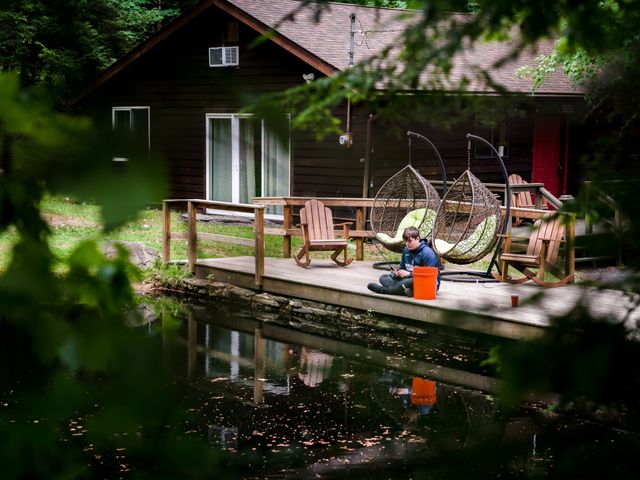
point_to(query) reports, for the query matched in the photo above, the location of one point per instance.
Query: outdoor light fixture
(346, 139)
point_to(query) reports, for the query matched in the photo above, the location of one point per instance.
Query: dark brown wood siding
(391, 151)
(175, 81)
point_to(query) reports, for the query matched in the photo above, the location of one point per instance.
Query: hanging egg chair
(469, 219)
(407, 199)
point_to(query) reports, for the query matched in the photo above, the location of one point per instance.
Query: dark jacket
(423, 256)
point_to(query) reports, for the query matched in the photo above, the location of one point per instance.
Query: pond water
(284, 404)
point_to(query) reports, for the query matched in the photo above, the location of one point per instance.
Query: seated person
(416, 253)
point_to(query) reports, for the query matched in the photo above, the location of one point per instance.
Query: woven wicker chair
(468, 221)
(407, 199)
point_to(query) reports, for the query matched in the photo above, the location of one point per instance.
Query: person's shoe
(408, 292)
(374, 287)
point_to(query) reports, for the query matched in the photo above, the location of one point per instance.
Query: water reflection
(278, 400)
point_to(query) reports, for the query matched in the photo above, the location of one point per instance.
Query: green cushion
(411, 219)
(476, 243)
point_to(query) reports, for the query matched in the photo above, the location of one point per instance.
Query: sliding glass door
(246, 158)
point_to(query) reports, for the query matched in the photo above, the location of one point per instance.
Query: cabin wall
(391, 151)
(327, 169)
(175, 81)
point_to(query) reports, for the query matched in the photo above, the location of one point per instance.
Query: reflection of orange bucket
(425, 281)
(423, 392)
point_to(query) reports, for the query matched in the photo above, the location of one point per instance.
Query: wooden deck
(486, 307)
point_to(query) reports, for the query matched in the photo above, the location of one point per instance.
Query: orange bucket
(425, 283)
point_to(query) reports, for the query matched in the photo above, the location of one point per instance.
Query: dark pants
(395, 285)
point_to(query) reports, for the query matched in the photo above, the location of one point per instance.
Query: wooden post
(192, 236)
(538, 195)
(570, 258)
(259, 245)
(288, 221)
(588, 226)
(543, 258)
(166, 232)
(192, 345)
(259, 367)
(617, 222)
(360, 226)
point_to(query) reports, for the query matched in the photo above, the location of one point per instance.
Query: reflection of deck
(489, 304)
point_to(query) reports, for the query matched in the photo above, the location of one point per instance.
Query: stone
(141, 255)
(142, 315)
(264, 300)
(241, 294)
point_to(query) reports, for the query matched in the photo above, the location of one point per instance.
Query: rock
(240, 294)
(142, 315)
(141, 255)
(196, 283)
(266, 301)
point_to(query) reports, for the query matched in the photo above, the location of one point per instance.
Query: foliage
(71, 365)
(587, 366)
(61, 44)
(169, 275)
(382, 3)
(590, 34)
(81, 391)
(452, 5)
(607, 65)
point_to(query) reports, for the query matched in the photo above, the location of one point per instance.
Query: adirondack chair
(317, 225)
(521, 199)
(542, 253)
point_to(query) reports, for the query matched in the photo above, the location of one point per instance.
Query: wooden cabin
(181, 93)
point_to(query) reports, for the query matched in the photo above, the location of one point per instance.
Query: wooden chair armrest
(511, 236)
(545, 239)
(345, 228)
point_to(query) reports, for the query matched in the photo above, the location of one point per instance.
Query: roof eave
(489, 93)
(177, 24)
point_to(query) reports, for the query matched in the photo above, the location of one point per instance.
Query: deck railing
(593, 196)
(540, 194)
(192, 235)
(360, 205)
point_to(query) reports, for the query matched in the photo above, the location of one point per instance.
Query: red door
(548, 166)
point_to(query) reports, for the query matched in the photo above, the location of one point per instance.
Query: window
(247, 157)
(494, 132)
(223, 56)
(131, 128)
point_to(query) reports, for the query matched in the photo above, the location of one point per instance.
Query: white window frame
(225, 51)
(130, 110)
(235, 159)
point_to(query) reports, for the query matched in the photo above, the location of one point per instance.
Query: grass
(72, 222)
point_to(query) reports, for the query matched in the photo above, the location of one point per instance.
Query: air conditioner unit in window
(223, 56)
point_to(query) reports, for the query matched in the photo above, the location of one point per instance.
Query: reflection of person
(314, 366)
(416, 253)
(421, 395)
